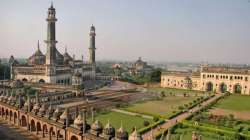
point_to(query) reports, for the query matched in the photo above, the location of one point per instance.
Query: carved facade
(210, 78)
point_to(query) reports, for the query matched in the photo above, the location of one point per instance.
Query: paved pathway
(181, 117)
(132, 113)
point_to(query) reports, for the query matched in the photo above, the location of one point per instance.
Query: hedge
(206, 127)
(148, 128)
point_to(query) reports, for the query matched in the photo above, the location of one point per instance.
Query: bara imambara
(55, 111)
(219, 79)
(54, 67)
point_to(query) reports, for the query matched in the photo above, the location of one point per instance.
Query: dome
(121, 133)
(49, 112)
(78, 120)
(92, 28)
(109, 130)
(56, 114)
(26, 103)
(2, 97)
(67, 57)
(59, 58)
(16, 84)
(42, 109)
(36, 107)
(64, 114)
(135, 136)
(96, 126)
(38, 58)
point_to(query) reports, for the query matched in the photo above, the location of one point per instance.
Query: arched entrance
(38, 127)
(209, 86)
(11, 115)
(45, 130)
(41, 81)
(52, 133)
(188, 83)
(6, 114)
(32, 126)
(237, 88)
(15, 118)
(24, 80)
(23, 121)
(3, 113)
(73, 138)
(59, 135)
(223, 88)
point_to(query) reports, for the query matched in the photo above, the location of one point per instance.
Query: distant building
(210, 78)
(54, 67)
(140, 68)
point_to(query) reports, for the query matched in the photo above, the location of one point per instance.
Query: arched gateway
(209, 86)
(237, 88)
(223, 88)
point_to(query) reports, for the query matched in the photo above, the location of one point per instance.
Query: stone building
(210, 78)
(54, 67)
(140, 67)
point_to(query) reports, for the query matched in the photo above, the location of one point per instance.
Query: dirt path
(10, 132)
(181, 117)
(132, 114)
(245, 115)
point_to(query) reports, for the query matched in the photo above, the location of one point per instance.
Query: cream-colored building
(54, 67)
(210, 78)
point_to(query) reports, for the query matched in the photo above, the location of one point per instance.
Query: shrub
(146, 123)
(180, 107)
(156, 119)
(151, 126)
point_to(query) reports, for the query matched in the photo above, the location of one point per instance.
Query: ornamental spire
(38, 45)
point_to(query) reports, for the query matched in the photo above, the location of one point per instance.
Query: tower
(51, 36)
(51, 43)
(92, 45)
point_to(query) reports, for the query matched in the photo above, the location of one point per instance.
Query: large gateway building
(54, 67)
(210, 78)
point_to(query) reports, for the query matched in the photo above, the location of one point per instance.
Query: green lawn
(163, 107)
(116, 118)
(235, 103)
(186, 134)
(175, 91)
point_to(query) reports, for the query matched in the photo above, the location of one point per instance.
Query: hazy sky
(156, 30)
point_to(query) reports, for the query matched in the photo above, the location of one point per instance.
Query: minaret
(51, 36)
(92, 44)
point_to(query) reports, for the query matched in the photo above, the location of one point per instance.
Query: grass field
(116, 119)
(186, 134)
(163, 107)
(175, 91)
(235, 103)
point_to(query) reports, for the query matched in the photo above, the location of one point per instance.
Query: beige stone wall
(217, 80)
(230, 80)
(172, 81)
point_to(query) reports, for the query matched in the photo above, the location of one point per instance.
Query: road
(181, 117)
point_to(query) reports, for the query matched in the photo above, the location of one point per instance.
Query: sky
(214, 31)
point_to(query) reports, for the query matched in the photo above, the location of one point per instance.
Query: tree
(4, 72)
(155, 76)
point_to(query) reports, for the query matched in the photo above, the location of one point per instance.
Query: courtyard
(164, 107)
(237, 105)
(117, 119)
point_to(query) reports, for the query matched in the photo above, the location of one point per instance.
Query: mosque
(54, 67)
